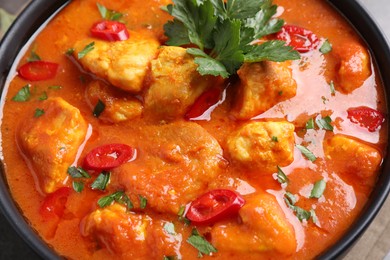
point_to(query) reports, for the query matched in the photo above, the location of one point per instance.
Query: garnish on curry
(159, 130)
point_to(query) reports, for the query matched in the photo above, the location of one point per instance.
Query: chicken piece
(51, 142)
(118, 230)
(352, 157)
(119, 106)
(262, 86)
(264, 228)
(174, 167)
(263, 145)
(123, 63)
(355, 66)
(175, 84)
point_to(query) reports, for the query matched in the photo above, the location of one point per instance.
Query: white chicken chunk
(262, 86)
(123, 63)
(52, 140)
(175, 84)
(119, 105)
(181, 151)
(263, 145)
(355, 66)
(113, 227)
(353, 157)
(264, 228)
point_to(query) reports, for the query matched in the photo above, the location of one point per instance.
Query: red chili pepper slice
(366, 117)
(38, 70)
(54, 204)
(300, 39)
(214, 205)
(203, 103)
(110, 31)
(108, 156)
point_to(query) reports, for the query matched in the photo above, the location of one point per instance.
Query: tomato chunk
(214, 205)
(108, 156)
(208, 99)
(110, 31)
(366, 117)
(54, 204)
(38, 70)
(300, 39)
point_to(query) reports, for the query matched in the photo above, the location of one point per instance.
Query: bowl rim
(37, 12)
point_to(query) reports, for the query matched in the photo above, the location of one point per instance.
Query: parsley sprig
(224, 33)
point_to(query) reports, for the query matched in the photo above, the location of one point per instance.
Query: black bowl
(38, 11)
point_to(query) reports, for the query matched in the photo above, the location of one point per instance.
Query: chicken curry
(178, 130)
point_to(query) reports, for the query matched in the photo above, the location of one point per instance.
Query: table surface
(375, 242)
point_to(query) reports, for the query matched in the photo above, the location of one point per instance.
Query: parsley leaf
(38, 112)
(99, 108)
(200, 243)
(43, 96)
(318, 189)
(306, 152)
(109, 14)
(86, 49)
(300, 213)
(326, 47)
(119, 197)
(101, 181)
(23, 94)
(182, 218)
(224, 33)
(143, 201)
(33, 57)
(78, 186)
(78, 172)
(332, 89)
(169, 227)
(282, 177)
(324, 123)
(310, 124)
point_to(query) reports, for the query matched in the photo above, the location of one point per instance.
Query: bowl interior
(37, 13)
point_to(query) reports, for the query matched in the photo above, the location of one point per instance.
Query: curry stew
(117, 145)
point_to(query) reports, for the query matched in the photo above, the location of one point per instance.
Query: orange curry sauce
(347, 189)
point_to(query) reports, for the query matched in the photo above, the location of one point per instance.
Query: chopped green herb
(119, 197)
(310, 124)
(302, 214)
(78, 186)
(78, 172)
(33, 57)
(55, 87)
(99, 108)
(332, 89)
(23, 94)
(306, 152)
(43, 96)
(143, 201)
(169, 257)
(326, 47)
(200, 243)
(82, 79)
(313, 216)
(274, 139)
(101, 181)
(169, 227)
(291, 199)
(108, 14)
(86, 49)
(38, 112)
(324, 123)
(224, 32)
(282, 177)
(182, 218)
(318, 189)
(69, 51)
